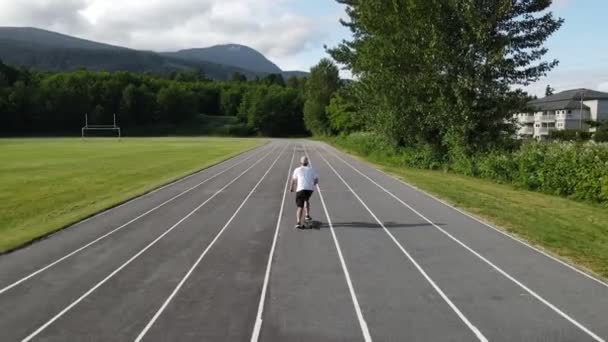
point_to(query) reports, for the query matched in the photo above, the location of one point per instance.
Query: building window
(569, 112)
(552, 124)
(537, 125)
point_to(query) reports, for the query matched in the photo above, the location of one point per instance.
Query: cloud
(571, 79)
(267, 25)
(603, 86)
(59, 15)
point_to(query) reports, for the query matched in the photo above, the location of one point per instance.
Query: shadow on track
(370, 225)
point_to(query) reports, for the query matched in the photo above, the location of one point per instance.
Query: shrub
(239, 130)
(602, 133)
(569, 135)
(575, 170)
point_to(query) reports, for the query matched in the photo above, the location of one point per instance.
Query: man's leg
(299, 215)
(307, 206)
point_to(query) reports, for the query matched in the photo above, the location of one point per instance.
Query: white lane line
(108, 277)
(488, 225)
(200, 258)
(180, 180)
(258, 322)
(466, 321)
(498, 269)
(364, 329)
(40, 270)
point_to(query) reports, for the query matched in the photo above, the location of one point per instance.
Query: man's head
(304, 161)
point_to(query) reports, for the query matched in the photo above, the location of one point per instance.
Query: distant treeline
(43, 103)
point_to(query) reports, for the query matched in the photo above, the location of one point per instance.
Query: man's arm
(294, 181)
(293, 185)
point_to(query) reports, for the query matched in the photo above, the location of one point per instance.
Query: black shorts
(302, 196)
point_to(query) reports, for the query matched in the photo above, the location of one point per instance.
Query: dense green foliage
(324, 81)
(601, 135)
(33, 103)
(441, 74)
(569, 135)
(273, 111)
(575, 170)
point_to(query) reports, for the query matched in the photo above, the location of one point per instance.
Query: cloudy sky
(581, 46)
(290, 32)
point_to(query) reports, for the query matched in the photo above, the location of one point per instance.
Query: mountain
(44, 38)
(50, 51)
(232, 54)
(294, 73)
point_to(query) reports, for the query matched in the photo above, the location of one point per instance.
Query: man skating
(303, 181)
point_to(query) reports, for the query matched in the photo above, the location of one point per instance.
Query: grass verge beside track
(47, 184)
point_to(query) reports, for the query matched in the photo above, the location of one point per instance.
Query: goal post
(88, 127)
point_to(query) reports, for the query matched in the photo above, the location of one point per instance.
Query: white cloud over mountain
(270, 26)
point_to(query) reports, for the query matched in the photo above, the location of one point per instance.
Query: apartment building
(569, 109)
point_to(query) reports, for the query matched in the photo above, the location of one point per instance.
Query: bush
(575, 170)
(602, 133)
(497, 166)
(239, 130)
(569, 135)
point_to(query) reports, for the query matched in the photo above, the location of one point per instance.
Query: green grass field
(46, 184)
(574, 231)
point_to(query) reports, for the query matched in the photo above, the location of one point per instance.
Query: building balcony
(526, 119)
(526, 130)
(545, 118)
(544, 130)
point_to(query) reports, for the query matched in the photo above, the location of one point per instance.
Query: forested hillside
(35, 103)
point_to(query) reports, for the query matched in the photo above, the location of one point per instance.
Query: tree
(323, 82)
(175, 104)
(549, 91)
(443, 73)
(274, 79)
(137, 105)
(273, 111)
(230, 100)
(601, 133)
(208, 99)
(343, 115)
(238, 77)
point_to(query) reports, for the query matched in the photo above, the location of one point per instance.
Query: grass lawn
(574, 231)
(46, 184)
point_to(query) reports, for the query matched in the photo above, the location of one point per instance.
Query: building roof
(569, 99)
(557, 105)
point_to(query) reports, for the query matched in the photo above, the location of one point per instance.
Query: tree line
(49, 103)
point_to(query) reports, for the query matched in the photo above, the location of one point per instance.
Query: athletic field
(215, 257)
(46, 184)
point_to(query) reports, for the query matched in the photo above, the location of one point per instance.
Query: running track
(215, 257)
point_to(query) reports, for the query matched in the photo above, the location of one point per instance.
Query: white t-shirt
(305, 176)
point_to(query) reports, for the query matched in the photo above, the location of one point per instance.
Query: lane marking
(40, 270)
(200, 258)
(486, 224)
(258, 322)
(364, 328)
(470, 325)
(108, 277)
(498, 269)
